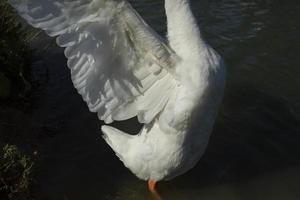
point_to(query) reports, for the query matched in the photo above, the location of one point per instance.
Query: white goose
(122, 69)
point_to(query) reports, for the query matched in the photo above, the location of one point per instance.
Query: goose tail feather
(118, 140)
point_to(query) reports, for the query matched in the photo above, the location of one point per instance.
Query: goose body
(123, 69)
(176, 139)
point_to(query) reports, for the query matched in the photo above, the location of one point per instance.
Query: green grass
(15, 174)
(15, 54)
(15, 60)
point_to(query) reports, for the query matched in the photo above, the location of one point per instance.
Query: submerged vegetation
(15, 57)
(15, 174)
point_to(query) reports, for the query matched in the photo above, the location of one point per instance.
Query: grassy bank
(15, 57)
(15, 174)
(15, 89)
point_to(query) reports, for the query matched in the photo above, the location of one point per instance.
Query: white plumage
(123, 69)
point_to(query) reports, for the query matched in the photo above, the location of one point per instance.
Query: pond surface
(254, 150)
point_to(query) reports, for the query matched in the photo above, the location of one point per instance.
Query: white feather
(122, 69)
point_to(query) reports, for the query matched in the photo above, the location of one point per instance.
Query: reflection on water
(253, 152)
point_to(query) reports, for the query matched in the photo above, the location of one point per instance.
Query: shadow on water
(255, 133)
(253, 152)
(254, 149)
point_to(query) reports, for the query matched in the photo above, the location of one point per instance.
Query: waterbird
(124, 69)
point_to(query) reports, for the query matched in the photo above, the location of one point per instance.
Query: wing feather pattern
(119, 65)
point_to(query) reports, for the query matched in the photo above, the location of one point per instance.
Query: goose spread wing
(119, 65)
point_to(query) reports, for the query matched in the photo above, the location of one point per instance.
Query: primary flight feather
(122, 69)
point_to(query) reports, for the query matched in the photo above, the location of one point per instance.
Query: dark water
(254, 149)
